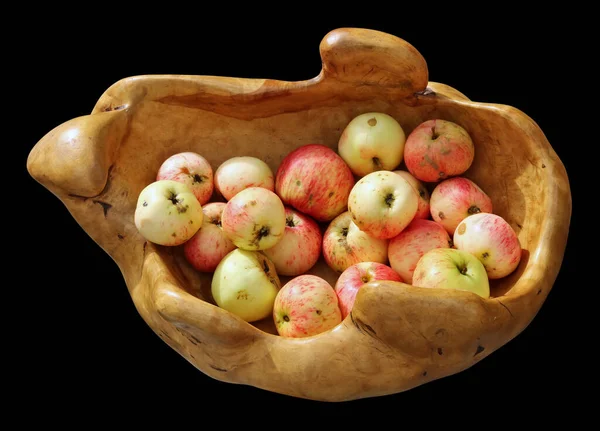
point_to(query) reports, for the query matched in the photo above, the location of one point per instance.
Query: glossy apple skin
(492, 240)
(315, 180)
(438, 149)
(167, 213)
(354, 277)
(300, 247)
(238, 173)
(423, 211)
(420, 236)
(254, 219)
(372, 141)
(344, 244)
(245, 283)
(209, 245)
(382, 204)
(456, 198)
(191, 169)
(449, 268)
(305, 306)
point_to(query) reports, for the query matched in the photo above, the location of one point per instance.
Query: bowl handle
(362, 57)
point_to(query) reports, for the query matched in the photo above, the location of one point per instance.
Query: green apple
(246, 283)
(449, 268)
(168, 213)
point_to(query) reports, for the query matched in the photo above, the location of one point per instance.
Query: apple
(354, 277)
(254, 219)
(382, 204)
(300, 247)
(315, 180)
(438, 149)
(306, 305)
(238, 173)
(420, 236)
(371, 142)
(344, 244)
(423, 210)
(492, 240)
(209, 245)
(456, 198)
(449, 268)
(246, 283)
(167, 213)
(191, 169)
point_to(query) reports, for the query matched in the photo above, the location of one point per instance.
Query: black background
(88, 352)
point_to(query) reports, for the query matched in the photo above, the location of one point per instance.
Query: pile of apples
(368, 218)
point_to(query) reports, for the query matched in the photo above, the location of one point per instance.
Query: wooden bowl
(397, 336)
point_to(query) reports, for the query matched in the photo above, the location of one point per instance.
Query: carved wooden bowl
(397, 336)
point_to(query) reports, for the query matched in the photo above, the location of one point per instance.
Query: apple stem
(463, 270)
(286, 318)
(474, 209)
(377, 162)
(345, 231)
(434, 134)
(389, 199)
(289, 221)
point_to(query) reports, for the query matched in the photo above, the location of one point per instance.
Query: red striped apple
(315, 180)
(306, 305)
(254, 219)
(449, 268)
(239, 173)
(456, 198)
(167, 213)
(423, 211)
(438, 149)
(371, 142)
(209, 245)
(491, 240)
(191, 169)
(344, 244)
(354, 277)
(245, 283)
(420, 236)
(382, 204)
(300, 247)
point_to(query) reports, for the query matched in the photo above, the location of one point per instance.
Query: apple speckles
(242, 294)
(441, 215)
(462, 228)
(298, 183)
(145, 204)
(372, 122)
(331, 194)
(485, 255)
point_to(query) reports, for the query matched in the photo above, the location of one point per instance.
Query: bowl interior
(504, 165)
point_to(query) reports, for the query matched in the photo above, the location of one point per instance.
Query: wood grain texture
(398, 336)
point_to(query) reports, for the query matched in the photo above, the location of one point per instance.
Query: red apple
(315, 180)
(209, 245)
(300, 247)
(238, 173)
(353, 278)
(344, 244)
(438, 149)
(306, 305)
(423, 211)
(420, 236)
(456, 198)
(191, 169)
(491, 240)
(254, 219)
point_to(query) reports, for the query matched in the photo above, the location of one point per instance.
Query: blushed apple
(315, 180)
(373, 141)
(344, 244)
(167, 213)
(246, 283)
(354, 277)
(420, 236)
(238, 173)
(382, 204)
(449, 268)
(191, 169)
(456, 198)
(438, 149)
(254, 219)
(209, 245)
(300, 247)
(423, 211)
(305, 306)
(491, 240)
